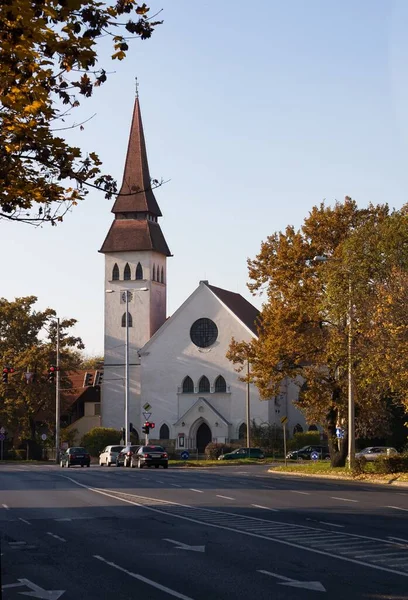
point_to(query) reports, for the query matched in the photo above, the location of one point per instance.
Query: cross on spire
(137, 87)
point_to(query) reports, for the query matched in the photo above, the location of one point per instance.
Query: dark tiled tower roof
(136, 210)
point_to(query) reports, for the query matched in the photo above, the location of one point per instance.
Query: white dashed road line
(331, 524)
(264, 507)
(296, 492)
(198, 491)
(226, 497)
(24, 521)
(158, 586)
(398, 539)
(57, 537)
(397, 508)
(5, 506)
(175, 485)
(344, 499)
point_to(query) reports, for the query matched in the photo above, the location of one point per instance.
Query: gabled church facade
(177, 365)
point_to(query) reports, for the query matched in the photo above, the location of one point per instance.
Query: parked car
(150, 456)
(243, 453)
(75, 456)
(125, 455)
(109, 455)
(305, 453)
(373, 452)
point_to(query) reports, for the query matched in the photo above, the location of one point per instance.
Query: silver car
(373, 452)
(109, 455)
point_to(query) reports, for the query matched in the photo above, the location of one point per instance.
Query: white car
(373, 452)
(108, 456)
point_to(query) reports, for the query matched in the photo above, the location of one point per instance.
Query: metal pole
(351, 424)
(57, 397)
(248, 412)
(127, 440)
(284, 442)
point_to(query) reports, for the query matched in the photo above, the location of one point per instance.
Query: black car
(75, 456)
(150, 456)
(125, 455)
(305, 453)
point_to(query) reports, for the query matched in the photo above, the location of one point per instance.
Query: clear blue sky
(255, 115)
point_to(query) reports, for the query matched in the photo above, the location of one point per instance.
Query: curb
(403, 484)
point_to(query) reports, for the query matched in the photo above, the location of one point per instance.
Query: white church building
(178, 364)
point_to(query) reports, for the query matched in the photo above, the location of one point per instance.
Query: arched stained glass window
(127, 275)
(164, 432)
(188, 385)
(115, 273)
(220, 384)
(204, 384)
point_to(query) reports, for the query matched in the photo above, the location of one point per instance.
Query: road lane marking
(264, 507)
(175, 485)
(159, 481)
(5, 506)
(316, 586)
(331, 524)
(296, 492)
(65, 519)
(395, 507)
(398, 539)
(24, 521)
(226, 497)
(344, 499)
(272, 531)
(57, 537)
(158, 586)
(198, 491)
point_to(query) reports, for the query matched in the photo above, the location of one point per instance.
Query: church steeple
(136, 210)
(136, 176)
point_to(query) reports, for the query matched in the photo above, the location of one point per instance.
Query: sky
(253, 113)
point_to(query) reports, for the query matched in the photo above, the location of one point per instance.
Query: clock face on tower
(203, 333)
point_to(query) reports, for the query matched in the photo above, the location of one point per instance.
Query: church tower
(135, 259)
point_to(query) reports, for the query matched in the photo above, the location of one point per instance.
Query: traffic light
(123, 433)
(88, 379)
(98, 378)
(6, 371)
(152, 425)
(51, 373)
(146, 428)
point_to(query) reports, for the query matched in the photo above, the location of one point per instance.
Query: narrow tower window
(139, 271)
(154, 273)
(126, 273)
(162, 275)
(115, 273)
(129, 319)
(204, 384)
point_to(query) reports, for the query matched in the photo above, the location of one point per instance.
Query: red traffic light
(152, 425)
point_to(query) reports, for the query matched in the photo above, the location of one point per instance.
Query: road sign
(340, 433)
(284, 420)
(314, 455)
(2, 437)
(43, 437)
(147, 406)
(185, 455)
(2, 430)
(147, 415)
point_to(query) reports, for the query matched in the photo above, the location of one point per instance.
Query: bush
(397, 463)
(267, 436)
(97, 438)
(14, 454)
(213, 451)
(359, 466)
(309, 438)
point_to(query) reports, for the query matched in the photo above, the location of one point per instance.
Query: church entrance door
(203, 437)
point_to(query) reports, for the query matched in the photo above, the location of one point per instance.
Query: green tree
(28, 345)
(303, 328)
(48, 60)
(97, 438)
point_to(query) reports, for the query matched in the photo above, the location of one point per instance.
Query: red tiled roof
(136, 174)
(244, 310)
(132, 234)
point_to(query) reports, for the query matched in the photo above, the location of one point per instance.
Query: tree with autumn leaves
(304, 321)
(48, 62)
(28, 345)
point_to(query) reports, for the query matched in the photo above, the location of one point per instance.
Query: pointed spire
(136, 176)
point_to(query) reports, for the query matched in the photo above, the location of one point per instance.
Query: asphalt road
(201, 534)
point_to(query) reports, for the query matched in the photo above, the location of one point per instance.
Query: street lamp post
(248, 410)
(350, 394)
(128, 296)
(57, 397)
